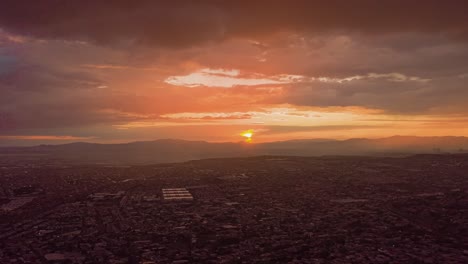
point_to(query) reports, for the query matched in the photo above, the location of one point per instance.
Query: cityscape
(242, 210)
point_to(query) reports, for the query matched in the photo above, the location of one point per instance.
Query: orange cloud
(43, 137)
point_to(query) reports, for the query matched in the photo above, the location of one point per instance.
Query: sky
(120, 71)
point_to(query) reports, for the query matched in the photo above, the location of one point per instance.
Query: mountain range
(173, 150)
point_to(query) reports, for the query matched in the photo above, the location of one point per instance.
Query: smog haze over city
(236, 131)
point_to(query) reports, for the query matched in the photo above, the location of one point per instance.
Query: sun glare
(248, 135)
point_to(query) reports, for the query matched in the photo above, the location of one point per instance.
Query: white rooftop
(174, 194)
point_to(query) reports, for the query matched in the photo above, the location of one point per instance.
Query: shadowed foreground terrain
(244, 210)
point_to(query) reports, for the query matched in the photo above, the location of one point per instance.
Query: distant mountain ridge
(174, 150)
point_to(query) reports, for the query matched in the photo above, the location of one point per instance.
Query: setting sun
(248, 135)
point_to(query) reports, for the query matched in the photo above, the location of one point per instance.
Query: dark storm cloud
(40, 96)
(439, 96)
(186, 23)
(7, 64)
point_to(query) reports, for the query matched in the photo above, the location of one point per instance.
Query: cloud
(218, 78)
(7, 64)
(440, 96)
(267, 130)
(74, 66)
(230, 78)
(187, 23)
(42, 137)
(207, 116)
(38, 95)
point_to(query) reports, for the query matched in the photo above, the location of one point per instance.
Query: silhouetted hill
(170, 150)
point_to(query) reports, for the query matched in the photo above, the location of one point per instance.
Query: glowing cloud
(218, 78)
(230, 78)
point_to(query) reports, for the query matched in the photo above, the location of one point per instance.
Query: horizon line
(220, 142)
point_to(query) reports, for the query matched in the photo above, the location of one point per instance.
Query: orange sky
(120, 72)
